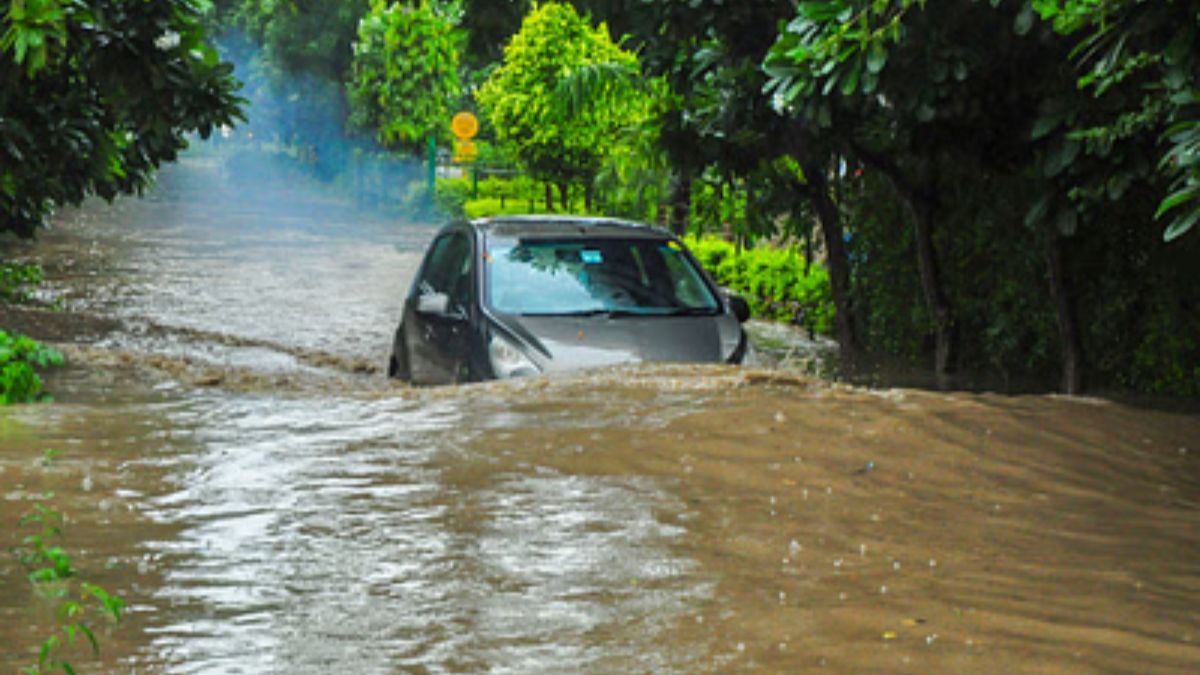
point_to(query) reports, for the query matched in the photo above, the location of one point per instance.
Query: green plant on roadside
(515, 195)
(54, 576)
(19, 382)
(17, 280)
(776, 282)
(510, 191)
(451, 196)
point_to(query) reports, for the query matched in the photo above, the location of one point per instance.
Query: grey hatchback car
(506, 297)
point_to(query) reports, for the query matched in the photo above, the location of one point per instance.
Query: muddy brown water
(232, 463)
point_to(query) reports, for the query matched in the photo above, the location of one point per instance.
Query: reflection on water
(233, 467)
(372, 525)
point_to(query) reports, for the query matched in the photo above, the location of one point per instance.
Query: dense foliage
(1011, 185)
(313, 37)
(405, 81)
(94, 95)
(1141, 62)
(552, 142)
(776, 282)
(17, 282)
(19, 355)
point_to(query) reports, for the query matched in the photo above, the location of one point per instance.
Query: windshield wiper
(608, 313)
(625, 313)
(692, 311)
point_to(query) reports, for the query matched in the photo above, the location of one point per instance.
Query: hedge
(777, 282)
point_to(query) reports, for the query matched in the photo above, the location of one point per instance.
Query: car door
(438, 312)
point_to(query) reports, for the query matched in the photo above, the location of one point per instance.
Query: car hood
(567, 343)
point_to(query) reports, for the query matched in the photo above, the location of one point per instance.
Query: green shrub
(1166, 359)
(452, 195)
(503, 196)
(16, 280)
(484, 208)
(776, 282)
(19, 383)
(517, 188)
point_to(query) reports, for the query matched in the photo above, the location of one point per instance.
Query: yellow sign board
(465, 126)
(465, 151)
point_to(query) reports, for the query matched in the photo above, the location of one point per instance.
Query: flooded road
(233, 464)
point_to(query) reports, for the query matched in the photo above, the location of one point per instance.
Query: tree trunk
(564, 196)
(681, 202)
(920, 197)
(588, 196)
(1070, 341)
(549, 198)
(945, 327)
(837, 259)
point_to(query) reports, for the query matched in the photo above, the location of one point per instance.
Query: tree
(722, 124)
(972, 113)
(901, 90)
(303, 36)
(405, 80)
(294, 56)
(520, 103)
(489, 25)
(96, 95)
(1141, 61)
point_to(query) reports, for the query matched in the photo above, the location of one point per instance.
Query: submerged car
(506, 297)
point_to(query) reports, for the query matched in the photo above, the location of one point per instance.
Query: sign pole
(432, 166)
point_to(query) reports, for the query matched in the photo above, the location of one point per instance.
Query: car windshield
(595, 276)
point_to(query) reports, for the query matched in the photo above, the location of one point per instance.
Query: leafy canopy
(94, 95)
(1141, 60)
(520, 99)
(405, 75)
(301, 36)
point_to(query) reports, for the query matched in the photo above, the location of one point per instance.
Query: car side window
(448, 270)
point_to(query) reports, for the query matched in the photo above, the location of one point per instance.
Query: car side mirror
(437, 304)
(739, 307)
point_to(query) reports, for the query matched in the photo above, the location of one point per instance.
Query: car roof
(551, 226)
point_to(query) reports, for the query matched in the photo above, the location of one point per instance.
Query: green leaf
(830, 83)
(1046, 123)
(1067, 222)
(1186, 194)
(850, 84)
(1181, 46)
(961, 71)
(1037, 213)
(48, 645)
(1024, 21)
(1181, 226)
(1105, 65)
(877, 58)
(1061, 157)
(87, 632)
(1118, 184)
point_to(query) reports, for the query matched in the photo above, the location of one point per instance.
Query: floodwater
(232, 462)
